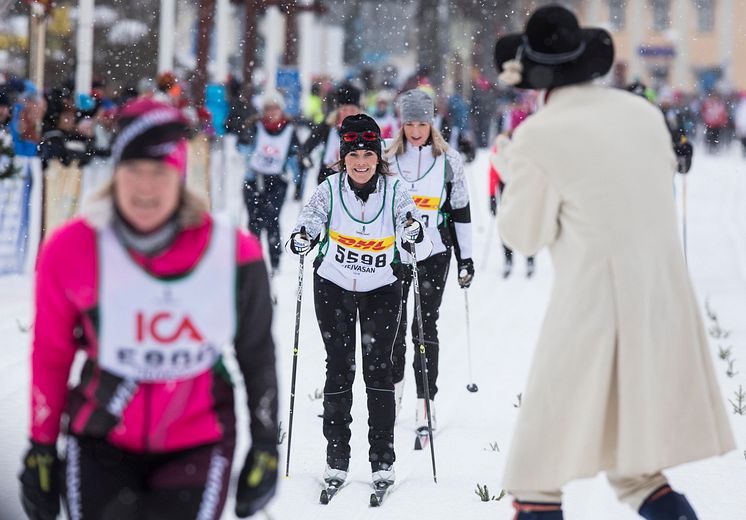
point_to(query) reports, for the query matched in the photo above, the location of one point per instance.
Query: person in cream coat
(622, 379)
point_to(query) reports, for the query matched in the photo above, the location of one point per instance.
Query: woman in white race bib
(271, 150)
(433, 174)
(362, 212)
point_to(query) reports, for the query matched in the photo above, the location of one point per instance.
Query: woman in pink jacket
(151, 288)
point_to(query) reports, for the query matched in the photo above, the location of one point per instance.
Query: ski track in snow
(506, 315)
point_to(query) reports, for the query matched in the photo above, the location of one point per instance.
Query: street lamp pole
(37, 43)
(84, 65)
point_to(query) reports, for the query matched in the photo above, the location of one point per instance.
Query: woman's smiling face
(361, 165)
(417, 132)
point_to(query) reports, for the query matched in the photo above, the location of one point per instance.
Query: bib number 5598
(352, 257)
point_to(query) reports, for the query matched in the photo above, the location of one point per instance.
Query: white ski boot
(334, 479)
(334, 475)
(384, 476)
(383, 479)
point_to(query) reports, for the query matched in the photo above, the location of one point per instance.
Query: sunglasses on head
(351, 137)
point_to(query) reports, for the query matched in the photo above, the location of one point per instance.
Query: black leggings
(336, 312)
(263, 202)
(432, 274)
(106, 482)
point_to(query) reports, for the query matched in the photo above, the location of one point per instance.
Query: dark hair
(383, 167)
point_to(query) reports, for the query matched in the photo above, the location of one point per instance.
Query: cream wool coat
(622, 378)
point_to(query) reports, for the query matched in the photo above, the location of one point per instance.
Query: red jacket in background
(494, 178)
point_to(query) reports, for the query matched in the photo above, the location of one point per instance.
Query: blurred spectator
(483, 107)
(383, 113)
(26, 122)
(715, 118)
(168, 89)
(7, 167)
(679, 116)
(313, 110)
(682, 148)
(66, 143)
(458, 110)
(59, 99)
(4, 110)
(103, 131)
(240, 111)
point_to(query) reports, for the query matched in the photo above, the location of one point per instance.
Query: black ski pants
(264, 198)
(432, 273)
(336, 312)
(105, 482)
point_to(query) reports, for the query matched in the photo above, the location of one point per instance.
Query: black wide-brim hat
(553, 51)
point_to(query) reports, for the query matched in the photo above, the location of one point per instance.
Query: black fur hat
(360, 124)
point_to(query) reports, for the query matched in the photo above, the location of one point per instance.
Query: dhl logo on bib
(362, 244)
(426, 203)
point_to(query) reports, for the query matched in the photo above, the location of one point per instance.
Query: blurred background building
(683, 44)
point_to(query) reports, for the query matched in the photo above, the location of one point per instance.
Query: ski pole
(295, 356)
(471, 387)
(683, 217)
(423, 357)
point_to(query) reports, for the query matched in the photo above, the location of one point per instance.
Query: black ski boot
(507, 267)
(530, 267)
(666, 504)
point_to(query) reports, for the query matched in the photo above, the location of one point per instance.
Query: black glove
(493, 205)
(684, 152)
(401, 271)
(258, 480)
(40, 482)
(465, 272)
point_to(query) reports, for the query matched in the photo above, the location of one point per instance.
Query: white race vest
(426, 186)
(158, 330)
(360, 243)
(331, 153)
(271, 151)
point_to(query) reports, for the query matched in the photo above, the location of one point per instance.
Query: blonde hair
(398, 146)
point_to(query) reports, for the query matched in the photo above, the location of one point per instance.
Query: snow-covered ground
(505, 318)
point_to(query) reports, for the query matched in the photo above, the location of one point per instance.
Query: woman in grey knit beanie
(434, 175)
(415, 105)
